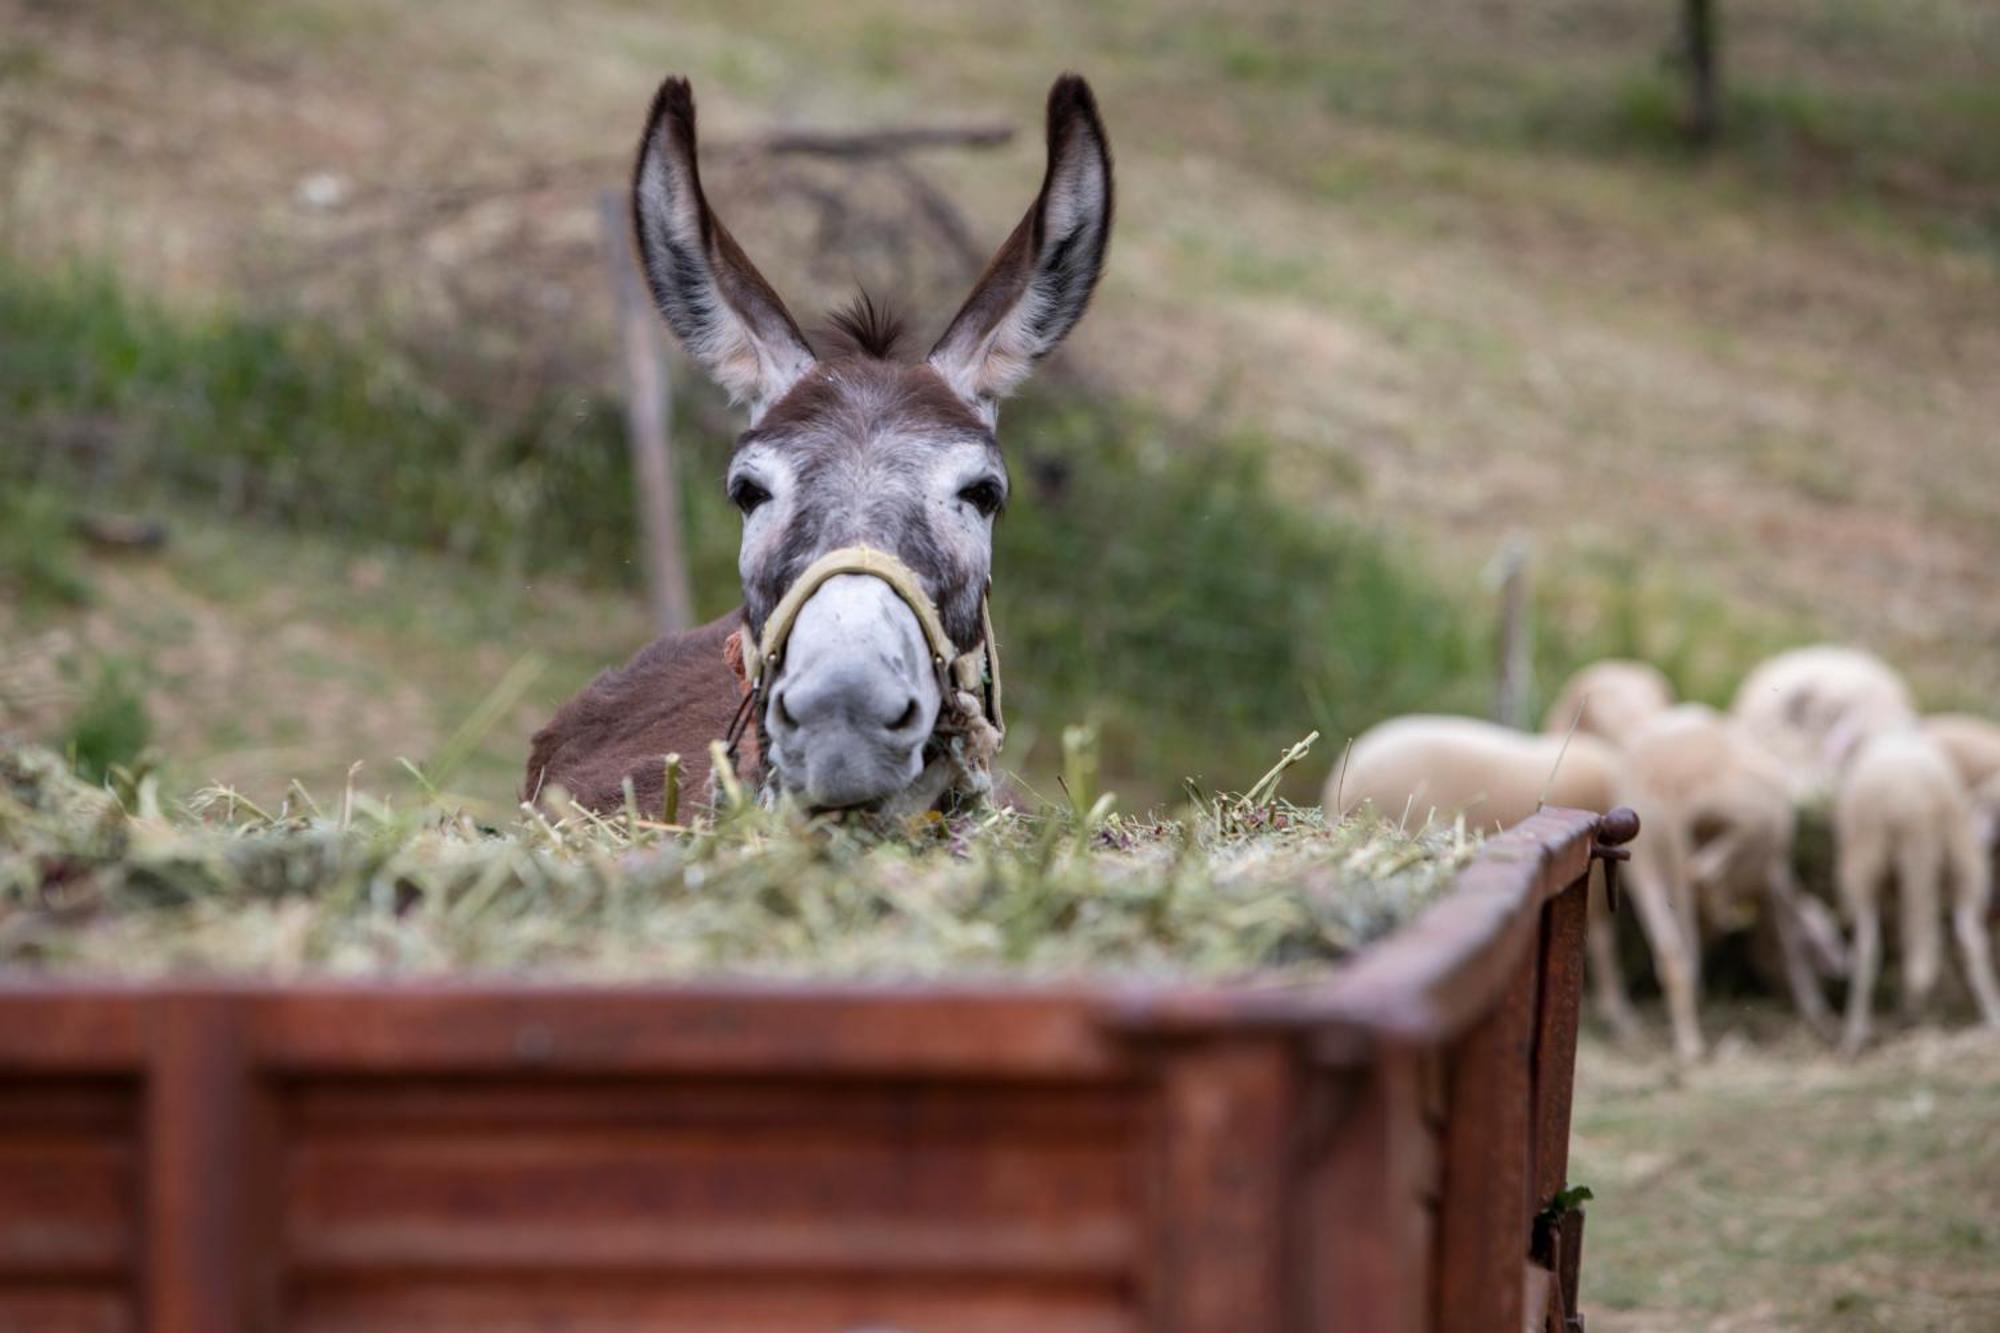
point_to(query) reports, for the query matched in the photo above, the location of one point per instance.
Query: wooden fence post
(648, 405)
(1701, 43)
(1516, 662)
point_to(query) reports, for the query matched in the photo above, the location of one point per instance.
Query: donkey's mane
(866, 327)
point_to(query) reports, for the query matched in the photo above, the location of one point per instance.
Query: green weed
(111, 728)
(38, 557)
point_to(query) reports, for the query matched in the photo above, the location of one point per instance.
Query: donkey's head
(858, 449)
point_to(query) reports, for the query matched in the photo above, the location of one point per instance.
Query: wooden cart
(1367, 1153)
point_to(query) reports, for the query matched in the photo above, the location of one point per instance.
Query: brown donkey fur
(674, 697)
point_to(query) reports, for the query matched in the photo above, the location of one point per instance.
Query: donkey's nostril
(784, 714)
(907, 718)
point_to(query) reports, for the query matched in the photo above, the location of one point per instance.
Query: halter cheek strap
(970, 724)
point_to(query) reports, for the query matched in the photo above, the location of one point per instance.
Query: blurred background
(313, 405)
(322, 288)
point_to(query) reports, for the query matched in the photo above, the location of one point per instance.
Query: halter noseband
(970, 726)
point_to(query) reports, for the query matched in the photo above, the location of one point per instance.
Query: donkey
(861, 670)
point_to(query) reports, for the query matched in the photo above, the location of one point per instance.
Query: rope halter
(970, 726)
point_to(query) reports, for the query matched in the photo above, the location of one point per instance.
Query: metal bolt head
(1619, 826)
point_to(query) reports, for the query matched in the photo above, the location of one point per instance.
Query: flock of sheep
(1915, 803)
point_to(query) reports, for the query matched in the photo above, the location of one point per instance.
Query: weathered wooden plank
(55, 1307)
(1569, 1257)
(1021, 1032)
(901, 1193)
(1222, 1215)
(59, 1027)
(624, 1104)
(68, 1187)
(1431, 980)
(1366, 1207)
(196, 1101)
(530, 1303)
(1484, 1215)
(1557, 1014)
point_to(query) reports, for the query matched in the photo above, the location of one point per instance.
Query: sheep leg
(1867, 957)
(1614, 1006)
(1864, 858)
(1973, 883)
(1662, 924)
(1807, 997)
(1687, 906)
(1920, 906)
(1977, 951)
(1825, 942)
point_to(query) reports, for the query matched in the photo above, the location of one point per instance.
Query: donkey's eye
(984, 495)
(746, 494)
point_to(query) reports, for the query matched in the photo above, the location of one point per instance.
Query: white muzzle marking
(856, 672)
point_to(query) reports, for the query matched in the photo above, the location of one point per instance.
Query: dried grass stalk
(102, 880)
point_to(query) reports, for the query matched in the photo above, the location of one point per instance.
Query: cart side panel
(1223, 1164)
(1484, 1210)
(1557, 1015)
(1368, 1203)
(748, 1159)
(526, 1303)
(69, 1192)
(722, 1203)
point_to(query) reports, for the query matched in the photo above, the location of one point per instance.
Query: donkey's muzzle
(854, 699)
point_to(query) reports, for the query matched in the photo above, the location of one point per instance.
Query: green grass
(288, 422)
(39, 563)
(1610, 602)
(1779, 1188)
(1822, 98)
(1150, 581)
(1159, 590)
(1380, 166)
(261, 655)
(1169, 597)
(111, 728)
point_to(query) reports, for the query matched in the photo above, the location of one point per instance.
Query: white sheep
(1973, 746)
(1610, 699)
(1902, 814)
(1730, 803)
(1417, 767)
(1810, 706)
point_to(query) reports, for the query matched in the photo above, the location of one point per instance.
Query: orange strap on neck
(732, 653)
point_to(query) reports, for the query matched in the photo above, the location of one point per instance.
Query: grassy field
(252, 655)
(1448, 267)
(1777, 1188)
(1129, 596)
(1388, 289)
(256, 658)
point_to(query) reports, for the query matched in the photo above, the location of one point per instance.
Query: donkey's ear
(712, 296)
(1034, 291)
